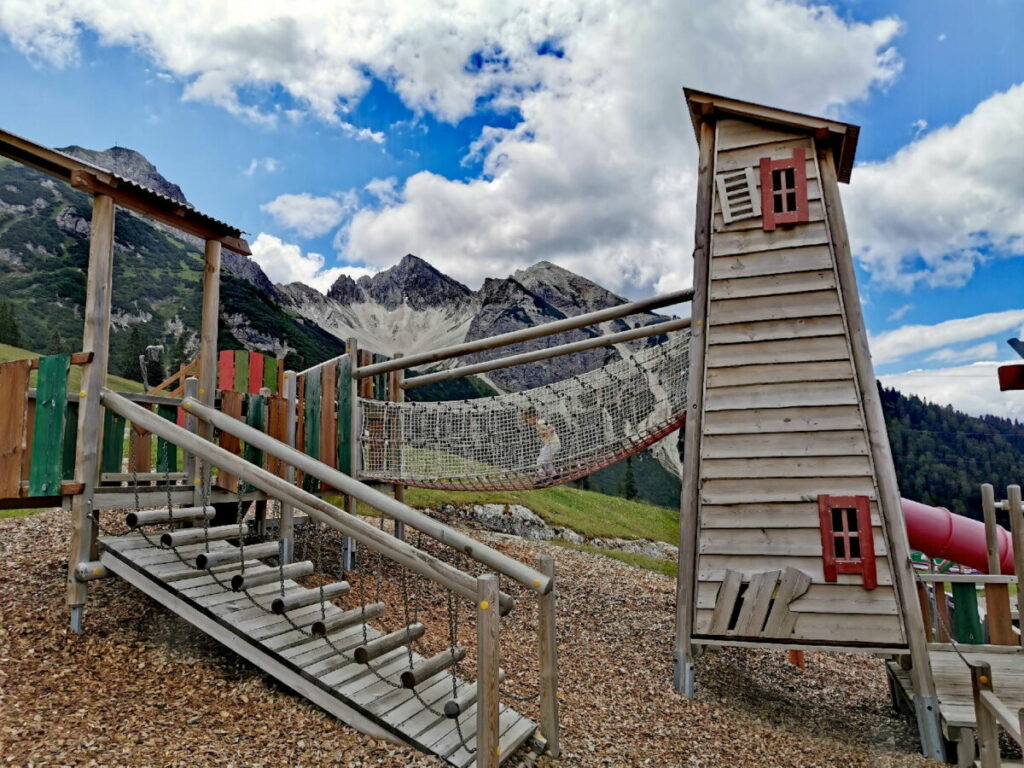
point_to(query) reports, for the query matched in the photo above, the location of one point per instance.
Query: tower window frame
(847, 540)
(784, 190)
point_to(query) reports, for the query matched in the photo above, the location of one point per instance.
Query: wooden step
(179, 515)
(368, 696)
(222, 557)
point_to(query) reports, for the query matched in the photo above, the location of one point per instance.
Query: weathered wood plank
(329, 416)
(48, 435)
(748, 241)
(778, 373)
(113, 442)
(776, 330)
(14, 378)
(757, 421)
(844, 443)
(770, 542)
(781, 395)
(256, 361)
(166, 453)
(815, 212)
(734, 158)
(724, 601)
(313, 410)
(742, 491)
(714, 567)
(819, 598)
(798, 350)
(781, 620)
(772, 285)
(768, 263)
(733, 134)
(756, 601)
(796, 305)
(255, 417)
(344, 397)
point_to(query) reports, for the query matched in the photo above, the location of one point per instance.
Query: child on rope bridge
(550, 445)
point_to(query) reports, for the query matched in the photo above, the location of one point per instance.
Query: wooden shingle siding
(772, 285)
(712, 568)
(733, 134)
(748, 240)
(796, 542)
(729, 490)
(820, 598)
(761, 420)
(814, 349)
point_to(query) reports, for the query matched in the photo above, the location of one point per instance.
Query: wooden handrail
(990, 713)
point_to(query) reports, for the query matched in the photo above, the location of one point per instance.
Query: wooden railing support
(990, 713)
(1016, 509)
(95, 340)
(287, 531)
(488, 657)
(548, 637)
(997, 596)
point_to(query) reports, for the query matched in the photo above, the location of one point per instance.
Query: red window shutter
(847, 543)
(784, 190)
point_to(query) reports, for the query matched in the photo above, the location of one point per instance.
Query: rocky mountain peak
(414, 282)
(129, 164)
(346, 291)
(569, 292)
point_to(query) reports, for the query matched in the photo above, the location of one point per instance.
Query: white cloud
(930, 212)
(900, 313)
(307, 215)
(973, 389)
(285, 263)
(385, 190)
(265, 164)
(987, 350)
(941, 38)
(920, 126)
(599, 176)
(890, 346)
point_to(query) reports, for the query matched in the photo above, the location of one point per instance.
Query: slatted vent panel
(737, 193)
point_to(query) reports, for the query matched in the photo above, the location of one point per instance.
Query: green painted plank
(241, 370)
(166, 453)
(966, 622)
(113, 442)
(345, 414)
(48, 435)
(313, 396)
(270, 374)
(255, 417)
(70, 441)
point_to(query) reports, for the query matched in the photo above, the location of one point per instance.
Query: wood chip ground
(143, 688)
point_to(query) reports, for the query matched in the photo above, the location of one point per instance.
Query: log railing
(483, 590)
(991, 714)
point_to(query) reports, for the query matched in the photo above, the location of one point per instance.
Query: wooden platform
(953, 686)
(349, 691)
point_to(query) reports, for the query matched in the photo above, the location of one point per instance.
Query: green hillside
(156, 282)
(7, 353)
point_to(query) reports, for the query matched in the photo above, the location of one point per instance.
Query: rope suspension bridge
(598, 418)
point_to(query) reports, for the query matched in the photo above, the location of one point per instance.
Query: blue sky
(490, 137)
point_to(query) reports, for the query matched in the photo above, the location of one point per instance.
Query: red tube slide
(937, 532)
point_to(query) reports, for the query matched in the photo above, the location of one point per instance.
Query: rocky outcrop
(517, 520)
(129, 164)
(414, 282)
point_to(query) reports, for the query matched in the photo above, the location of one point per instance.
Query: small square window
(784, 190)
(847, 544)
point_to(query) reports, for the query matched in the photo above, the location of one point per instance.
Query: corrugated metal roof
(141, 198)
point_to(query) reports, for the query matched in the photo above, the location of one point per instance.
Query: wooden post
(488, 655)
(190, 465)
(997, 596)
(396, 395)
(927, 703)
(95, 339)
(287, 531)
(348, 547)
(208, 343)
(548, 636)
(1016, 509)
(988, 730)
(689, 497)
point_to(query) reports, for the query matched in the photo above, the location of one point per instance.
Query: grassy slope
(8, 353)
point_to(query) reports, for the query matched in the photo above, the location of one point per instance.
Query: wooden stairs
(375, 703)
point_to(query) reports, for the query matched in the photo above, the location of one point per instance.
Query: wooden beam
(997, 596)
(884, 468)
(77, 358)
(488, 656)
(689, 496)
(209, 323)
(96, 342)
(547, 635)
(148, 203)
(1015, 507)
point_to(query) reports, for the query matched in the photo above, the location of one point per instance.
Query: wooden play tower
(791, 531)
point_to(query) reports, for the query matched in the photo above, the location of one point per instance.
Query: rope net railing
(534, 438)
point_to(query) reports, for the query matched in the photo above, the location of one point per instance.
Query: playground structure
(793, 531)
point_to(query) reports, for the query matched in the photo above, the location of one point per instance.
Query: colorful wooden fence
(239, 370)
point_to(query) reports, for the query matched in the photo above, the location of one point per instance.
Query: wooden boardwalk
(953, 686)
(371, 701)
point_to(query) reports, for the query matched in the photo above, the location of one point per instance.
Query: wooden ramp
(370, 701)
(953, 686)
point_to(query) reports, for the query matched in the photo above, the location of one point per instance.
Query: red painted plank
(255, 372)
(226, 369)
